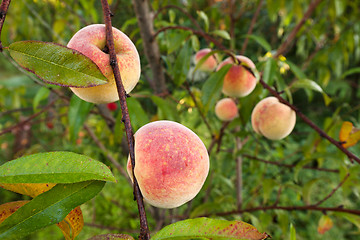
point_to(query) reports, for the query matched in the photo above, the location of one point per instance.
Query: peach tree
(236, 114)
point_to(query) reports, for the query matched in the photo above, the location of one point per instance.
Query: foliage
(318, 74)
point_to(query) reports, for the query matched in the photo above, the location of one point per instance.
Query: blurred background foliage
(326, 54)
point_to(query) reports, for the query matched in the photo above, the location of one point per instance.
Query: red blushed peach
(273, 119)
(171, 163)
(210, 63)
(91, 41)
(226, 109)
(239, 81)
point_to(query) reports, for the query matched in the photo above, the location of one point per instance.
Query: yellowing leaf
(72, 225)
(325, 224)
(28, 189)
(349, 135)
(9, 208)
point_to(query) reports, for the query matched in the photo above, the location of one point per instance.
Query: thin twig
(288, 165)
(284, 46)
(3, 11)
(200, 33)
(47, 107)
(181, 10)
(253, 21)
(144, 229)
(103, 148)
(333, 191)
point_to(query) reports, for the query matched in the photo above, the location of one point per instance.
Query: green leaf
(182, 65)
(172, 15)
(137, 114)
(205, 18)
(175, 39)
(350, 71)
(354, 219)
(57, 64)
(54, 167)
(195, 43)
(261, 41)
(222, 33)
(292, 232)
(311, 85)
(296, 70)
(42, 94)
(112, 237)
(212, 88)
(78, 112)
(307, 190)
(48, 208)
(269, 71)
(206, 228)
(166, 109)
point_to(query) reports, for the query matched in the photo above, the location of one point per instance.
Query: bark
(145, 21)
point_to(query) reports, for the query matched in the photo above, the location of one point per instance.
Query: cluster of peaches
(269, 118)
(171, 161)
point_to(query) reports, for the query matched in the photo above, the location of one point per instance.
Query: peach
(210, 63)
(226, 109)
(171, 163)
(91, 42)
(273, 119)
(239, 81)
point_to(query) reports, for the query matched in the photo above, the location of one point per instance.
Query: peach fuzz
(209, 64)
(239, 81)
(171, 163)
(273, 119)
(91, 41)
(226, 109)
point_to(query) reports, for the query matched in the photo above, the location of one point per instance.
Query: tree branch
(284, 46)
(144, 229)
(323, 134)
(333, 191)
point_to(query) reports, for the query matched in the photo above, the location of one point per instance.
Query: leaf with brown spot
(325, 224)
(348, 134)
(72, 225)
(28, 189)
(206, 228)
(9, 208)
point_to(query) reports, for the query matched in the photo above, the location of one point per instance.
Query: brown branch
(3, 11)
(151, 47)
(284, 46)
(323, 134)
(200, 33)
(181, 10)
(253, 21)
(218, 139)
(289, 208)
(288, 165)
(144, 229)
(333, 191)
(47, 107)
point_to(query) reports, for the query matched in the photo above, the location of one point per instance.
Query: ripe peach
(91, 42)
(226, 109)
(239, 81)
(273, 119)
(171, 163)
(210, 63)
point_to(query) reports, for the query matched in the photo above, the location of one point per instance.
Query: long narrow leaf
(54, 167)
(57, 64)
(48, 208)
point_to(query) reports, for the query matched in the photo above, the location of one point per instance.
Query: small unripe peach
(273, 119)
(226, 109)
(91, 41)
(239, 81)
(171, 163)
(209, 64)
